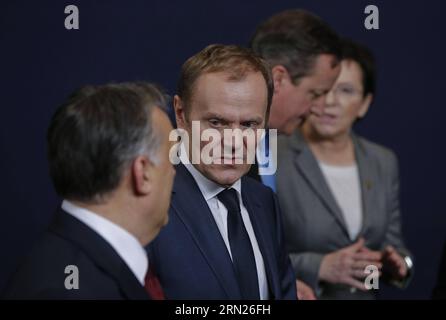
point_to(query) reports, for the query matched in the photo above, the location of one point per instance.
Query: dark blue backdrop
(41, 62)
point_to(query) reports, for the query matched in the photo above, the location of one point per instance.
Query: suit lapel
(255, 209)
(367, 178)
(191, 207)
(100, 252)
(307, 164)
(254, 171)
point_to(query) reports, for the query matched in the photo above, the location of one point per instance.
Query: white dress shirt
(210, 190)
(124, 243)
(345, 186)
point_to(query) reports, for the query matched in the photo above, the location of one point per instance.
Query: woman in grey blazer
(339, 194)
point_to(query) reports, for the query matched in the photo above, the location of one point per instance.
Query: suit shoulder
(382, 153)
(257, 187)
(43, 271)
(50, 249)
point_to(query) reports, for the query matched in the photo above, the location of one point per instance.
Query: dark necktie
(152, 285)
(241, 249)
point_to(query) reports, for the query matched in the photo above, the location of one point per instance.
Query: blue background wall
(41, 63)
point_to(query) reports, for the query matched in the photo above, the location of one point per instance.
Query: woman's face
(344, 104)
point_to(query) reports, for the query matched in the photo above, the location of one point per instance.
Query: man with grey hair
(108, 158)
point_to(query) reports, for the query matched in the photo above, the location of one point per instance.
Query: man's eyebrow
(253, 119)
(210, 115)
(213, 115)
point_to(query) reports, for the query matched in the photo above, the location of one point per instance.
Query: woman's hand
(347, 265)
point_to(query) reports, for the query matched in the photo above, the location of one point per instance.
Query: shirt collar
(125, 244)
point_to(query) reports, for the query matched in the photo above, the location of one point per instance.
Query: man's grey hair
(149, 140)
(97, 133)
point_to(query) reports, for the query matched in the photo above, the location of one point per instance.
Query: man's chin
(227, 175)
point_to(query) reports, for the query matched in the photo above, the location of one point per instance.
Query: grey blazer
(314, 223)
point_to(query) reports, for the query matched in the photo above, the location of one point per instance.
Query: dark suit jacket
(314, 223)
(254, 171)
(191, 257)
(68, 241)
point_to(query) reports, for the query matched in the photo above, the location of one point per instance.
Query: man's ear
(365, 105)
(280, 75)
(180, 114)
(142, 174)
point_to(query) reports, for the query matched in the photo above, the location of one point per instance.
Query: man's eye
(316, 95)
(215, 122)
(250, 124)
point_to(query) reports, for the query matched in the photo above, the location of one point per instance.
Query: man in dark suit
(224, 238)
(304, 53)
(108, 156)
